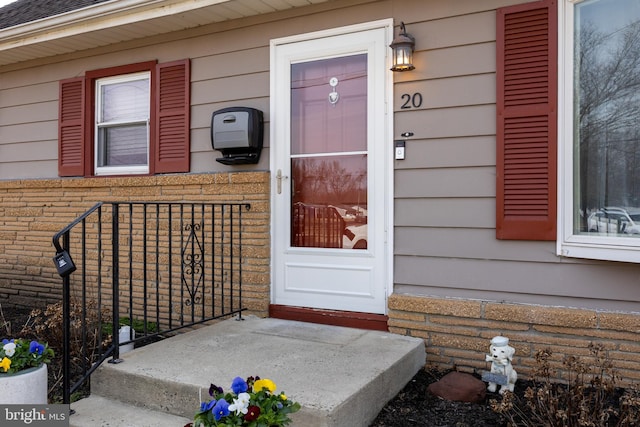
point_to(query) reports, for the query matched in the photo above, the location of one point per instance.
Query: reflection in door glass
(329, 153)
(329, 208)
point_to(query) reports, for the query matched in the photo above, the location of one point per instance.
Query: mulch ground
(415, 406)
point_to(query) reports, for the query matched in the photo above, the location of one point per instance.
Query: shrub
(86, 342)
(588, 397)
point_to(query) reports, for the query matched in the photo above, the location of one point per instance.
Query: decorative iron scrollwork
(192, 265)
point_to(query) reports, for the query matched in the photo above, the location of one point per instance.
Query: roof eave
(93, 18)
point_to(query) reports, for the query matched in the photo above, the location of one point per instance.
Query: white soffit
(122, 20)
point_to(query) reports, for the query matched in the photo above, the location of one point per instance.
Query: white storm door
(330, 166)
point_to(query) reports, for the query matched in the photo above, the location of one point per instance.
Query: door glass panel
(329, 153)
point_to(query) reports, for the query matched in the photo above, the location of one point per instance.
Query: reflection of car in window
(355, 237)
(613, 220)
(355, 233)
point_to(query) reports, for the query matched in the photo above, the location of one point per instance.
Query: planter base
(26, 387)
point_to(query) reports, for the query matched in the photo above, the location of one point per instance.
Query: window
(130, 119)
(600, 129)
(122, 124)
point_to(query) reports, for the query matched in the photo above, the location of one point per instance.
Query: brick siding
(457, 333)
(32, 211)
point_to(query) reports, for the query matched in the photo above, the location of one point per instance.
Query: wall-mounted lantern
(402, 47)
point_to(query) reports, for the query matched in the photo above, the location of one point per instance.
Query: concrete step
(97, 411)
(341, 377)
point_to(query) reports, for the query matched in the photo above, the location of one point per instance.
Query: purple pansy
(213, 389)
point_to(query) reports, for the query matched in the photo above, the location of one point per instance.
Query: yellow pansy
(265, 383)
(5, 364)
(283, 396)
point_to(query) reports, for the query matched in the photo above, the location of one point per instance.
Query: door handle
(279, 178)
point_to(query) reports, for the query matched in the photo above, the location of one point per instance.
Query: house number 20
(411, 100)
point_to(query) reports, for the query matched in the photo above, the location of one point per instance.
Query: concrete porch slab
(342, 377)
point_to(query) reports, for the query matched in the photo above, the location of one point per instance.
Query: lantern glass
(402, 58)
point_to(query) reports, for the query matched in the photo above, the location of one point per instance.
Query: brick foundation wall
(457, 332)
(32, 211)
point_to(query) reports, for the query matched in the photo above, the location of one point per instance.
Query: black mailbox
(237, 132)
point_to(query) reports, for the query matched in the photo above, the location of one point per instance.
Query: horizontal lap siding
(449, 212)
(458, 152)
(466, 243)
(546, 283)
(447, 181)
(467, 181)
(28, 131)
(445, 190)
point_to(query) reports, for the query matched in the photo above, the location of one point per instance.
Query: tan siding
(446, 212)
(448, 122)
(529, 282)
(462, 182)
(236, 88)
(245, 61)
(473, 151)
(436, 34)
(29, 169)
(470, 90)
(17, 92)
(27, 132)
(454, 61)
(468, 243)
(32, 151)
(43, 111)
(445, 189)
(421, 9)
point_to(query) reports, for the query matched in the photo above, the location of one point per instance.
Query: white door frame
(387, 25)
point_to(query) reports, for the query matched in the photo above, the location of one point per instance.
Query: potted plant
(251, 403)
(23, 371)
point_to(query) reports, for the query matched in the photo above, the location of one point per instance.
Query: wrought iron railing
(155, 267)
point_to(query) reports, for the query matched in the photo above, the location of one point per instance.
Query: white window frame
(119, 170)
(611, 248)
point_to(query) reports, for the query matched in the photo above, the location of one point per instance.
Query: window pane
(125, 101)
(328, 105)
(329, 202)
(606, 117)
(122, 146)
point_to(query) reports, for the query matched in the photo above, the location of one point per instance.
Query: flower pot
(24, 387)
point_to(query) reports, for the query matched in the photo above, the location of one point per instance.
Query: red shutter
(172, 118)
(71, 128)
(526, 121)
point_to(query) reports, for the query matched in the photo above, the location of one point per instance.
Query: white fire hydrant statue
(502, 372)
